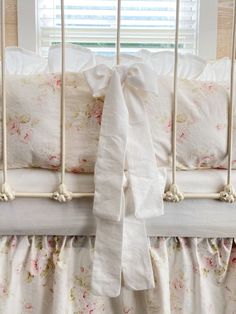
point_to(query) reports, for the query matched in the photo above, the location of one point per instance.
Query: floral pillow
(201, 124)
(33, 122)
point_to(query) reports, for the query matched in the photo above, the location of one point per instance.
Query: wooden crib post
(173, 194)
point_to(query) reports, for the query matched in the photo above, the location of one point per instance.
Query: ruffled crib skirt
(51, 275)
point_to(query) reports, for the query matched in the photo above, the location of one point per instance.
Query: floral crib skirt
(51, 275)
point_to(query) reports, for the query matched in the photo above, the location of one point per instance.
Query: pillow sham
(217, 71)
(201, 124)
(189, 66)
(21, 61)
(77, 58)
(33, 122)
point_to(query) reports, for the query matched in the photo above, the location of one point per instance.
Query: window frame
(207, 27)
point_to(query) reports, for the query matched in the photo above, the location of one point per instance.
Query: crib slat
(174, 118)
(62, 194)
(4, 136)
(231, 100)
(62, 93)
(174, 194)
(229, 194)
(118, 17)
(6, 193)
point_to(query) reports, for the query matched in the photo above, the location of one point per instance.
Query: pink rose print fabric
(52, 274)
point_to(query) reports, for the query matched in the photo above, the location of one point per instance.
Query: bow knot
(140, 77)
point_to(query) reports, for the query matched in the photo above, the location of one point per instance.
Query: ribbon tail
(144, 180)
(136, 260)
(108, 250)
(109, 168)
(151, 203)
(106, 273)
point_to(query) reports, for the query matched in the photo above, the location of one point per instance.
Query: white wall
(207, 29)
(27, 24)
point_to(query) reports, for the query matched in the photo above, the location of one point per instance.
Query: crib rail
(174, 193)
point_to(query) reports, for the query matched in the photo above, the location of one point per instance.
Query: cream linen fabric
(128, 184)
(52, 275)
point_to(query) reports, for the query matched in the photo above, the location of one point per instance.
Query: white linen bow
(128, 184)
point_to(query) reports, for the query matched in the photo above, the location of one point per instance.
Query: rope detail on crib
(6, 193)
(174, 194)
(228, 194)
(62, 194)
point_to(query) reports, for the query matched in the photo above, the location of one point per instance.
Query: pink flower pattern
(22, 127)
(26, 136)
(96, 111)
(54, 161)
(183, 268)
(14, 127)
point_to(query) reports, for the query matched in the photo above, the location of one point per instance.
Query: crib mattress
(191, 218)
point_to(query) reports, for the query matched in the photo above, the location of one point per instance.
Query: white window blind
(144, 24)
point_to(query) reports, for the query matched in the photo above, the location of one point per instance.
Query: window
(144, 24)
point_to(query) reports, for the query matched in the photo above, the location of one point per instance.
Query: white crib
(174, 193)
(198, 203)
